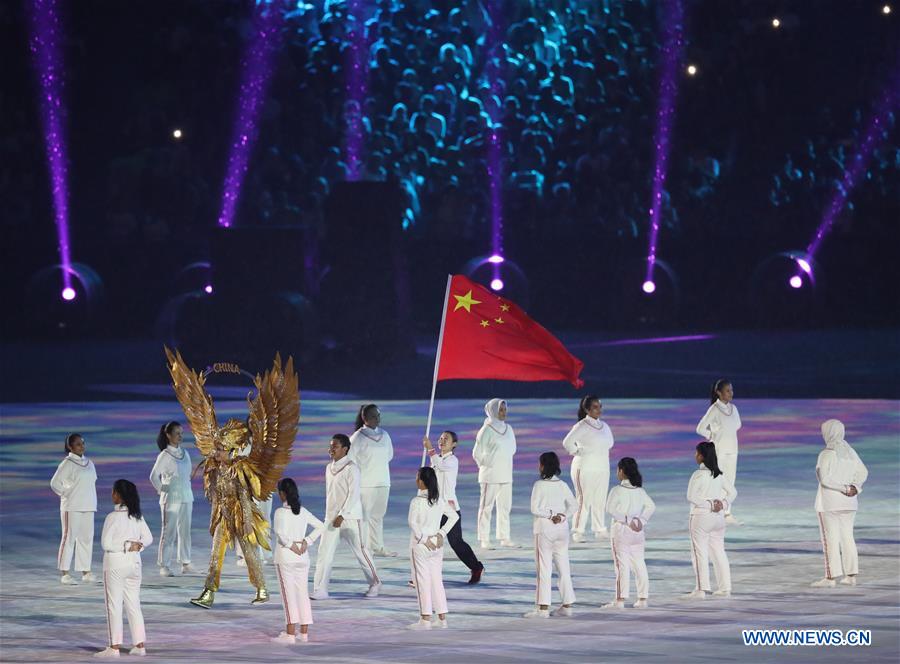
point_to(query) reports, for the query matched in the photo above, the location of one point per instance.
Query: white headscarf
(833, 433)
(492, 410)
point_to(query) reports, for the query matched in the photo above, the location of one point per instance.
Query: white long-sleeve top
(119, 531)
(626, 502)
(171, 476)
(372, 450)
(548, 498)
(292, 528)
(75, 482)
(589, 442)
(446, 467)
(342, 490)
(703, 489)
(835, 476)
(720, 426)
(493, 452)
(425, 519)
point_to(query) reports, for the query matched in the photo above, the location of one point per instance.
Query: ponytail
(429, 479)
(585, 405)
(162, 440)
(129, 494)
(629, 468)
(707, 450)
(361, 415)
(288, 487)
(716, 388)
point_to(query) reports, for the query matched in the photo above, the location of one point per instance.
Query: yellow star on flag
(484, 323)
(498, 320)
(465, 302)
(504, 307)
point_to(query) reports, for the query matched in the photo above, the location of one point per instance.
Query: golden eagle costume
(243, 461)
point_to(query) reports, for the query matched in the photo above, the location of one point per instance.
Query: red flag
(487, 336)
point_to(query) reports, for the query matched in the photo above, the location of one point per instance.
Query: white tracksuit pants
(838, 544)
(123, 588)
(728, 466)
(351, 533)
(591, 489)
(628, 555)
(175, 538)
(374, 505)
(501, 496)
(294, 581)
(427, 569)
(708, 541)
(551, 547)
(77, 539)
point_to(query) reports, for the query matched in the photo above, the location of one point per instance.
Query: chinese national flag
(487, 336)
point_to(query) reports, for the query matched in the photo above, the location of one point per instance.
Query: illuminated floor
(773, 556)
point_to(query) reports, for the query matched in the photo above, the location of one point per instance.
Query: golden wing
(274, 418)
(195, 401)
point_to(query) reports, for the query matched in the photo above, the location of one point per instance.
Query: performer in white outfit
(426, 543)
(372, 450)
(552, 506)
(292, 541)
(720, 426)
(589, 443)
(171, 477)
(125, 535)
(343, 516)
(841, 476)
(630, 508)
(75, 482)
(710, 493)
(495, 446)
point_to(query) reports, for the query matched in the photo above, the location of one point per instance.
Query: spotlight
(496, 284)
(886, 10)
(177, 134)
(692, 70)
(804, 265)
(776, 23)
(68, 294)
(795, 281)
(648, 287)
(208, 289)
(496, 259)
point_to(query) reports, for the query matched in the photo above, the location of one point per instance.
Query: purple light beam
(356, 88)
(875, 132)
(673, 42)
(256, 70)
(495, 145)
(46, 54)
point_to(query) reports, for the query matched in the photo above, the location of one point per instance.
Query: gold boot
(206, 599)
(262, 596)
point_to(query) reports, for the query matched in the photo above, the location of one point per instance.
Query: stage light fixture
(177, 134)
(208, 289)
(795, 281)
(649, 287)
(68, 294)
(804, 265)
(496, 259)
(776, 23)
(496, 284)
(692, 70)
(886, 10)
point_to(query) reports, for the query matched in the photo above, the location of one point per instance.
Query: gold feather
(195, 401)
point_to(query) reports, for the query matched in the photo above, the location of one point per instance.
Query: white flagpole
(437, 362)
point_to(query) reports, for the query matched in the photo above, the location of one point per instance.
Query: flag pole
(437, 362)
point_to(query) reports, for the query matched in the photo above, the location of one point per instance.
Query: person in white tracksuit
(171, 477)
(589, 443)
(293, 538)
(552, 506)
(426, 544)
(495, 446)
(75, 482)
(710, 494)
(343, 514)
(720, 425)
(125, 535)
(841, 475)
(372, 450)
(630, 508)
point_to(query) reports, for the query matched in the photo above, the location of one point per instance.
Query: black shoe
(476, 575)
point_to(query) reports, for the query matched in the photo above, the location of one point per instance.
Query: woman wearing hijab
(494, 448)
(841, 475)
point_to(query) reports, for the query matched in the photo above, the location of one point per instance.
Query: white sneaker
(509, 544)
(384, 553)
(89, 578)
(319, 594)
(165, 571)
(107, 652)
(187, 568)
(241, 562)
(68, 580)
(848, 581)
(486, 545)
(140, 652)
(823, 583)
(640, 604)
(443, 624)
(731, 520)
(722, 593)
(303, 638)
(615, 604)
(411, 583)
(421, 623)
(563, 612)
(537, 613)
(373, 590)
(601, 535)
(578, 537)
(695, 594)
(284, 638)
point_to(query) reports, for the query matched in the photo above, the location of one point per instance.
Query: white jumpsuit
(427, 565)
(495, 446)
(75, 482)
(589, 443)
(707, 528)
(551, 540)
(625, 503)
(720, 426)
(372, 450)
(171, 477)
(293, 570)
